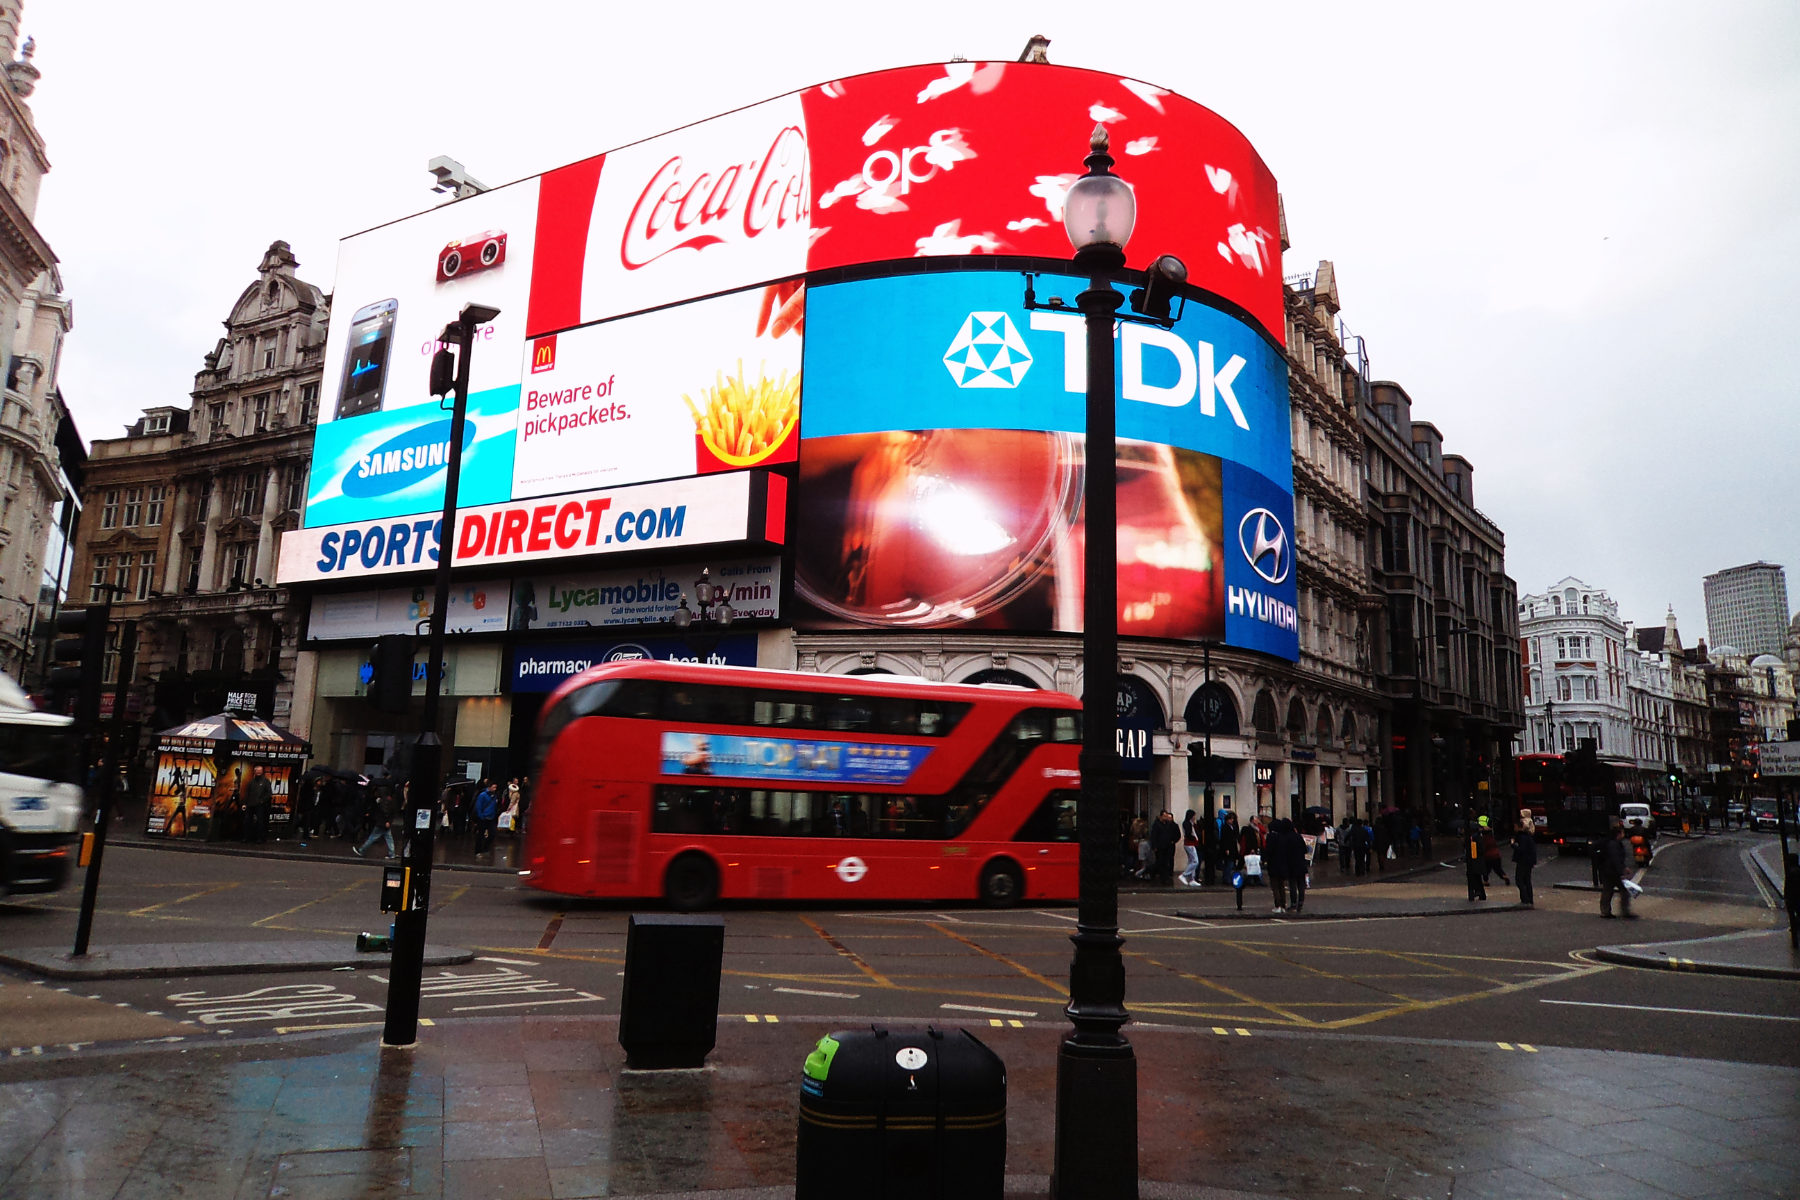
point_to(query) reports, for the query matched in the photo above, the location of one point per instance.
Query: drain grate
(318, 1174)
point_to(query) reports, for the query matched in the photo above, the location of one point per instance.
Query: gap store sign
(941, 468)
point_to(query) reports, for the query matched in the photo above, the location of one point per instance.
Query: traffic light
(78, 661)
(391, 674)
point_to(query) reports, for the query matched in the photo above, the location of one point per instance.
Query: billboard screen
(941, 467)
(600, 271)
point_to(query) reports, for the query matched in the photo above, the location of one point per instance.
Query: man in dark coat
(259, 794)
(1284, 861)
(1611, 858)
(1524, 848)
(1165, 835)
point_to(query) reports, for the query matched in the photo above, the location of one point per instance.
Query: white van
(40, 813)
(1636, 818)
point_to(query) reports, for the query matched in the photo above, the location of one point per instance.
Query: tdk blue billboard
(943, 453)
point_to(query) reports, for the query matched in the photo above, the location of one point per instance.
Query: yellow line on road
(1252, 1001)
(320, 900)
(875, 976)
(1428, 1005)
(150, 908)
(1021, 968)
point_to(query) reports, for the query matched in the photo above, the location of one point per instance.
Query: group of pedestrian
(367, 813)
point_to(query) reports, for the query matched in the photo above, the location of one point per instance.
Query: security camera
(454, 178)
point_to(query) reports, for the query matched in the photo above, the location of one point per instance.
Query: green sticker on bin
(818, 1063)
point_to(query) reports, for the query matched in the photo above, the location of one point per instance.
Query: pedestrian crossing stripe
(754, 1019)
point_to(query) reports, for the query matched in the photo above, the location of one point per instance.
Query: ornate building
(31, 413)
(1447, 656)
(185, 511)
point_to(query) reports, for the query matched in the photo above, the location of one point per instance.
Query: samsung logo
(404, 459)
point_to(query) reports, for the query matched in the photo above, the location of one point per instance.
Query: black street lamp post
(1096, 1070)
(407, 966)
(702, 630)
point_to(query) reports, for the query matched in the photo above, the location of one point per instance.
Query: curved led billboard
(916, 162)
(942, 463)
(734, 296)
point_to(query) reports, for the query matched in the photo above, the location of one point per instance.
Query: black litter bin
(902, 1113)
(669, 1006)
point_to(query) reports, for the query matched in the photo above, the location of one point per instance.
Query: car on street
(1762, 814)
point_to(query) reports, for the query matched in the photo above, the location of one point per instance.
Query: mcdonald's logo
(543, 354)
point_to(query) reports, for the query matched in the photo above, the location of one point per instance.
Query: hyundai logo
(1265, 544)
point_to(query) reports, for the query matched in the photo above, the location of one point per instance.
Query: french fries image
(740, 420)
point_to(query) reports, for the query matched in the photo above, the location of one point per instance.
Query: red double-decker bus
(698, 783)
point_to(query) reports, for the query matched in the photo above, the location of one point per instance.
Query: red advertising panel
(947, 159)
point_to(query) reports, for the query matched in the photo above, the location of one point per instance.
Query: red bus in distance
(701, 783)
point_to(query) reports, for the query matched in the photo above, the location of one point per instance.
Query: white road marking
(834, 995)
(511, 962)
(998, 1012)
(281, 1003)
(1692, 1012)
(580, 998)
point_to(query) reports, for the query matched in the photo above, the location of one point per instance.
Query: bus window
(38, 752)
(1054, 820)
(849, 714)
(705, 704)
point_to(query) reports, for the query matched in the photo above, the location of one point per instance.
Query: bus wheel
(691, 883)
(1002, 884)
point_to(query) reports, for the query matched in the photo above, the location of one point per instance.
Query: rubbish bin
(902, 1113)
(669, 1006)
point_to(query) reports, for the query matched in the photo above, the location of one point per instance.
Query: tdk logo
(1265, 544)
(404, 459)
(988, 352)
(1197, 377)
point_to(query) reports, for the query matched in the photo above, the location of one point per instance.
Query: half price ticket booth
(204, 767)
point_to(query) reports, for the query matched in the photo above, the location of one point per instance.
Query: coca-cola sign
(947, 159)
(714, 206)
(688, 207)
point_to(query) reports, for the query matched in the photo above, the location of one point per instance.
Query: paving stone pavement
(538, 1107)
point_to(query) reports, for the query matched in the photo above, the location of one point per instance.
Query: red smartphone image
(466, 256)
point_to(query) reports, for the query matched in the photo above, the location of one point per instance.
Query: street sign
(1779, 758)
(1358, 778)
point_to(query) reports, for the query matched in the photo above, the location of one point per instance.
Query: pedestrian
(1490, 855)
(1379, 834)
(1228, 851)
(259, 794)
(1610, 860)
(1140, 847)
(1190, 842)
(487, 812)
(1524, 848)
(1346, 828)
(1412, 838)
(1165, 835)
(1473, 862)
(1285, 864)
(387, 807)
(1362, 841)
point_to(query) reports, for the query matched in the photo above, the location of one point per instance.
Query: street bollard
(669, 1008)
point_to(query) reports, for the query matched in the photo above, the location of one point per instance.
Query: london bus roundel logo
(851, 869)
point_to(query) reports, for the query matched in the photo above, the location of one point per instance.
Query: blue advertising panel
(392, 463)
(791, 759)
(942, 465)
(542, 666)
(958, 350)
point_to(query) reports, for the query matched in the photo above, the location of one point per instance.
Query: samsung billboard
(692, 307)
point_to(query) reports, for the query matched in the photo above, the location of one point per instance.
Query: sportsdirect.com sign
(704, 510)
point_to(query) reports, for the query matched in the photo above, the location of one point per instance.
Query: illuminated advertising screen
(631, 284)
(942, 463)
(703, 387)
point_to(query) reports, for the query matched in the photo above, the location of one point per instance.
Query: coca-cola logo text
(678, 211)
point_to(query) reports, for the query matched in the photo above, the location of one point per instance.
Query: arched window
(1296, 722)
(1347, 734)
(1212, 710)
(274, 291)
(1322, 727)
(1263, 712)
(1000, 675)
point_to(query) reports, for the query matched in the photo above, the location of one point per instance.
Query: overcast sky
(1569, 230)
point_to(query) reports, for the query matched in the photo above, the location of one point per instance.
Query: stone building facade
(186, 510)
(1447, 653)
(1578, 672)
(33, 307)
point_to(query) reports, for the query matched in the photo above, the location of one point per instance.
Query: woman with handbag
(1190, 842)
